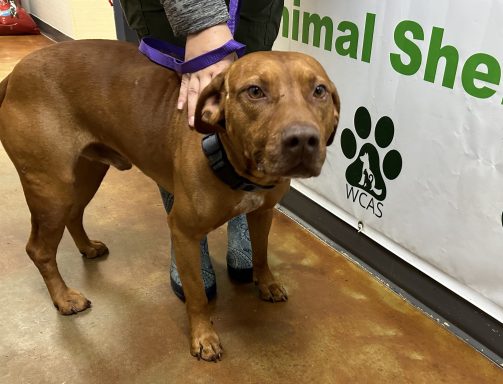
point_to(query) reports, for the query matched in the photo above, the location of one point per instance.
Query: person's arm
(191, 16)
(204, 23)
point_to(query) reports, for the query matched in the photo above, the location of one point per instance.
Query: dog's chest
(249, 202)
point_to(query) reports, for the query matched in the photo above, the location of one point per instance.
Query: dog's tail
(3, 88)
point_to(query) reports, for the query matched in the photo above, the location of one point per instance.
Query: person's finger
(204, 80)
(184, 88)
(192, 95)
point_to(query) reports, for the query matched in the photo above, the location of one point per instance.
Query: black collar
(223, 169)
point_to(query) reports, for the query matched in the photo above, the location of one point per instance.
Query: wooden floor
(340, 325)
(12, 48)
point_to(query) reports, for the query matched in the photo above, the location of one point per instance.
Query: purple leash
(171, 56)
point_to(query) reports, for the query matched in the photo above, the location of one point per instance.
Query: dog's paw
(94, 249)
(71, 301)
(206, 345)
(273, 292)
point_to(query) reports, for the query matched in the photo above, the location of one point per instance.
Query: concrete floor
(339, 325)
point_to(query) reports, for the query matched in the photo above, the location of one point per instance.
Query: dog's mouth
(303, 171)
(303, 167)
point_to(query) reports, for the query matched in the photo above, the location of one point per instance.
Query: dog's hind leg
(50, 203)
(88, 177)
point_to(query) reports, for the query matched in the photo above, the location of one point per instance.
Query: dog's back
(109, 83)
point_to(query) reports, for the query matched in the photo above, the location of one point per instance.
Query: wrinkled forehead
(278, 67)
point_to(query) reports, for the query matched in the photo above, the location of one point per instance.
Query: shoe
(239, 252)
(239, 260)
(239, 255)
(207, 272)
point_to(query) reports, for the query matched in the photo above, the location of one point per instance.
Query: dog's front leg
(204, 341)
(259, 224)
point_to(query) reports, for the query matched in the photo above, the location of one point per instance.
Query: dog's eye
(255, 92)
(320, 91)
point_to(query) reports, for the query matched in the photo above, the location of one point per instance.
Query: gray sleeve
(190, 16)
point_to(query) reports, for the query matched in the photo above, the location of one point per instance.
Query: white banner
(418, 157)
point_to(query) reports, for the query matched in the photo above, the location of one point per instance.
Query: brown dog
(71, 110)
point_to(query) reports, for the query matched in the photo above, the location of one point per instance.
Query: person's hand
(193, 83)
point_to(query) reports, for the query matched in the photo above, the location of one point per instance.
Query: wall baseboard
(473, 325)
(49, 31)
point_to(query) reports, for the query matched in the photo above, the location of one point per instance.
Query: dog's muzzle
(300, 141)
(300, 150)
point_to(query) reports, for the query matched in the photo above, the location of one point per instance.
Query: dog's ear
(210, 108)
(337, 109)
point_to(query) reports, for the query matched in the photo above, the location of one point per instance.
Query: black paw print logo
(366, 171)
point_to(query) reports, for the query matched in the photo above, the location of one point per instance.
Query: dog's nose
(300, 139)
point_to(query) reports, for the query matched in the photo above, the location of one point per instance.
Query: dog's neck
(223, 168)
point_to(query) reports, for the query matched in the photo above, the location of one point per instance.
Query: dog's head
(276, 112)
